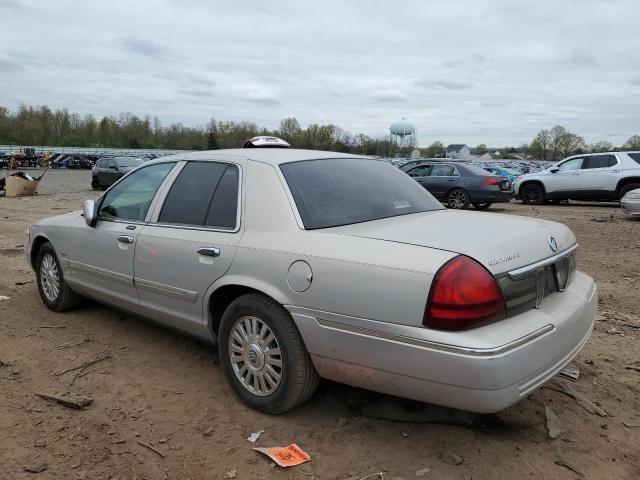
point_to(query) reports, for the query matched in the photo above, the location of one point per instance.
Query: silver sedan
(631, 202)
(302, 264)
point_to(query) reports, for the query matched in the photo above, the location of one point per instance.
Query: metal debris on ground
(374, 476)
(253, 438)
(553, 423)
(631, 424)
(422, 472)
(581, 399)
(4, 297)
(231, 474)
(70, 400)
(286, 456)
(564, 464)
(84, 365)
(570, 373)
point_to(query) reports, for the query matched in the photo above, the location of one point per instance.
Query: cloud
(389, 96)
(262, 97)
(444, 84)
(146, 48)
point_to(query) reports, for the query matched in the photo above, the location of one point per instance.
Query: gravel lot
(168, 391)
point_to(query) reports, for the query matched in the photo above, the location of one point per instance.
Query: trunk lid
(500, 242)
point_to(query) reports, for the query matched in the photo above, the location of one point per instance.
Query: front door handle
(125, 239)
(209, 252)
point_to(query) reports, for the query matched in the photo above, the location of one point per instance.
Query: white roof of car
(274, 156)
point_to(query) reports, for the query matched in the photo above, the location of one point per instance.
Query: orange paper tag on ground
(286, 457)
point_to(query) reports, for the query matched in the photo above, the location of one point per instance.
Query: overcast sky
(472, 72)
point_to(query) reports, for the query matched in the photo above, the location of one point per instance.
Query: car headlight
(632, 196)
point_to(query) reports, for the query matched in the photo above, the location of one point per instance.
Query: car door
(101, 257)
(189, 243)
(600, 176)
(110, 173)
(565, 180)
(442, 178)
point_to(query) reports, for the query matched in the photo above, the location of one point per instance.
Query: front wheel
(264, 358)
(54, 291)
(482, 205)
(532, 194)
(458, 199)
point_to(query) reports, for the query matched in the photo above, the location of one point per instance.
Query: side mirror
(89, 212)
(554, 170)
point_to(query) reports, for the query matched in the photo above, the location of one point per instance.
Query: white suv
(596, 176)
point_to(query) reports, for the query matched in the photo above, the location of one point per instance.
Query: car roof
(275, 156)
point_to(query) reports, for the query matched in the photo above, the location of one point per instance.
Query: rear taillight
(463, 295)
(490, 181)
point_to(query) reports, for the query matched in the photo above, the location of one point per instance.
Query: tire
(95, 184)
(458, 199)
(482, 206)
(532, 194)
(627, 188)
(54, 291)
(245, 361)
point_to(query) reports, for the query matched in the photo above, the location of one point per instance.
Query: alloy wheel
(532, 194)
(457, 199)
(50, 277)
(255, 356)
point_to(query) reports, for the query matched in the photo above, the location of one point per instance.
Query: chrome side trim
(416, 342)
(531, 269)
(101, 272)
(169, 290)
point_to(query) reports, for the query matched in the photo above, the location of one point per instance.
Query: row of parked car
(598, 177)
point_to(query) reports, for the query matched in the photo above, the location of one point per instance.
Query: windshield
(342, 191)
(129, 162)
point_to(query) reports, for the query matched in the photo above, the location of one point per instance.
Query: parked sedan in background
(461, 184)
(630, 203)
(303, 264)
(108, 170)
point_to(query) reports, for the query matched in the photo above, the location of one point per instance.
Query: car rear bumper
(630, 207)
(491, 196)
(483, 380)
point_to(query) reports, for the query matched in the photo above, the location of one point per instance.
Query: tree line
(41, 125)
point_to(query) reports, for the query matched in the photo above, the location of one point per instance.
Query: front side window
(419, 171)
(573, 164)
(131, 197)
(442, 171)
(342, 191)
(205, 193)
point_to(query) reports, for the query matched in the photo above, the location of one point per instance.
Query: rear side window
(599, 161)
(635, 156)
(342, 191)
(205, 193)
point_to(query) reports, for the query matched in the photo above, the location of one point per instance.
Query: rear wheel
(54, 291)
(95, 183)
(532, 194)
(458, 199)
(482, 205)
(264, 358)
(627, 188)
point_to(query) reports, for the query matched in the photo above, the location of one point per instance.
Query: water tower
(403, 133)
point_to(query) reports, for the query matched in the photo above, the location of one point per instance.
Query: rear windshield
(342, 191)
(129, 162)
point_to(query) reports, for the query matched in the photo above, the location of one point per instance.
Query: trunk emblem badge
(553, 244)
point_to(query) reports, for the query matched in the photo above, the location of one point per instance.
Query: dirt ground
(168, 391)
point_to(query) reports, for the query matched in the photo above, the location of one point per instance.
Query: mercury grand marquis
(303, 264)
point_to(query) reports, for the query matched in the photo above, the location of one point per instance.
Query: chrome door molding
(169, 290)
(102, 272)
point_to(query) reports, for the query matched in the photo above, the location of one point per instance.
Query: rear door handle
(125, 239)
(209, 252)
